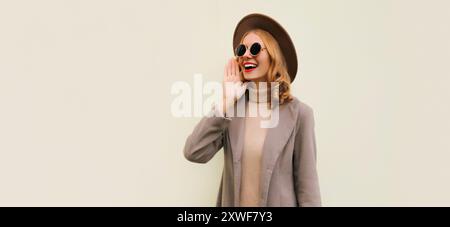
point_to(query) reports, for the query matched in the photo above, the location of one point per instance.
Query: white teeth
(249, 65)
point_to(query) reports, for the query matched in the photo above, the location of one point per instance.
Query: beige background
(85, 98)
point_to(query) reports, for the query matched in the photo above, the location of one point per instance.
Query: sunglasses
(254, 49)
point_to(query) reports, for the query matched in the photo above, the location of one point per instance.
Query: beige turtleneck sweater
(253, 145)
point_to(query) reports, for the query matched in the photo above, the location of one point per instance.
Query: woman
(264, 166)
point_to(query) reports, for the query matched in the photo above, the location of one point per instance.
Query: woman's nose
(247, 54)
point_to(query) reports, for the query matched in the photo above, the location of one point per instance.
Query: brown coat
(288, 168)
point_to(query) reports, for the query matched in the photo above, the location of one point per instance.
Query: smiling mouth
(249, 66)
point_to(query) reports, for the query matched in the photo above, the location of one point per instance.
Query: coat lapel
(275, 142)
(236, 133)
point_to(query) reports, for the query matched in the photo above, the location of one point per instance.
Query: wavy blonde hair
(278, 69)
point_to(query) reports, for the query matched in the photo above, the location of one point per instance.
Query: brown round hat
(260, 21)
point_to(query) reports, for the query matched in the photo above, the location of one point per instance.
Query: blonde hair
(278, 69)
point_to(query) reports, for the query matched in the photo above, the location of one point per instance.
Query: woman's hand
(233, 85)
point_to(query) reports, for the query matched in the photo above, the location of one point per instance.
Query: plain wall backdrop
(85, 101)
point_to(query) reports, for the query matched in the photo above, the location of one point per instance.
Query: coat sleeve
(206, 139)
(305, 171)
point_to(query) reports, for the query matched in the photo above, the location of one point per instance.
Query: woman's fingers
(228, 70)
(233, 68)
(231, 71)
(236, 88)
(236, 70)
(225, 73)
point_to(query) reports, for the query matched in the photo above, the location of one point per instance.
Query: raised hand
(233, 85)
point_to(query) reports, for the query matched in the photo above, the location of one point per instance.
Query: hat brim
(263, 22)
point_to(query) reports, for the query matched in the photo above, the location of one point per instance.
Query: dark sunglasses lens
(240, 50)
(255, 49)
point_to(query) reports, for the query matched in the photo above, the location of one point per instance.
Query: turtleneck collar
(261, 94)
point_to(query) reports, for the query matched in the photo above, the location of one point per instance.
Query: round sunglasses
(255, 48)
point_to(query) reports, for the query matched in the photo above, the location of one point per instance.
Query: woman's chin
(252, 76)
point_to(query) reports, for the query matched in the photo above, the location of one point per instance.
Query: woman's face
(261, 60)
